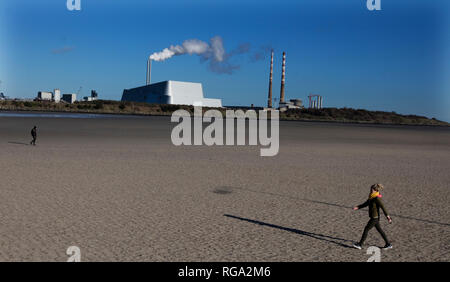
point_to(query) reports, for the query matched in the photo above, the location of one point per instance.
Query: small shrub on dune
(98, 105)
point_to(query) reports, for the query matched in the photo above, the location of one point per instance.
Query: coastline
(112, 114)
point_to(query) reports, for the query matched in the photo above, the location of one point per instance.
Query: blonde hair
(377, 187)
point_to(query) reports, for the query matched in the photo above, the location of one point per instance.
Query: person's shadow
(330, 239)
(18, 143)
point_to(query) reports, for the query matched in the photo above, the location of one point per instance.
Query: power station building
(171, 92)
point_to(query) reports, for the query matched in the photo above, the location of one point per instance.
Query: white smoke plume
(213, 50)
(219, 61)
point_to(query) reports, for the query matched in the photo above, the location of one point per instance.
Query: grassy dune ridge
(133, 108)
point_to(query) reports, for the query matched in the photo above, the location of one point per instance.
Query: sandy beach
(118, 189)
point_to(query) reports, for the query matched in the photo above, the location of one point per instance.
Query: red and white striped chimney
(269, 102)
(283, 73)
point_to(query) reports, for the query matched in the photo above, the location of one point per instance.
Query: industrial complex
(189, 93)
(315, 101)
(184, 93)
(70, 98)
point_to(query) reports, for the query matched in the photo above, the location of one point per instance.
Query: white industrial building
(45, 96)
(171, 92)
(49, 96)
(56, 95)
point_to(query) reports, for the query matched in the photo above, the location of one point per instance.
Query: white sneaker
(387, 247)
(357, 246)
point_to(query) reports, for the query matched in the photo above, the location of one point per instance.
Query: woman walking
(374, 203)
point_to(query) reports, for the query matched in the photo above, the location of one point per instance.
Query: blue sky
(397, 59)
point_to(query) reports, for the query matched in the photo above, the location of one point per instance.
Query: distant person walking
(374, 203)
(34, 135)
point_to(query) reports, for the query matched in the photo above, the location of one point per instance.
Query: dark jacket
(374, 207)
(33, 132)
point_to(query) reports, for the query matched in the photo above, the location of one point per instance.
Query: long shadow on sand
(321, 237)
(339, 205)
(18, 143)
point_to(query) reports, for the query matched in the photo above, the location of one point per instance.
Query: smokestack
(149, 71)
(283, 72)
(269, 102)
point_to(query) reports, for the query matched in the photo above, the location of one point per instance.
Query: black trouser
(33, 141)
(373, 222)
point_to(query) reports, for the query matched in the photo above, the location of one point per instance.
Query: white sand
(119, 190)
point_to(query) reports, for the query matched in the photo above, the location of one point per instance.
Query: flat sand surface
(119, 190)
